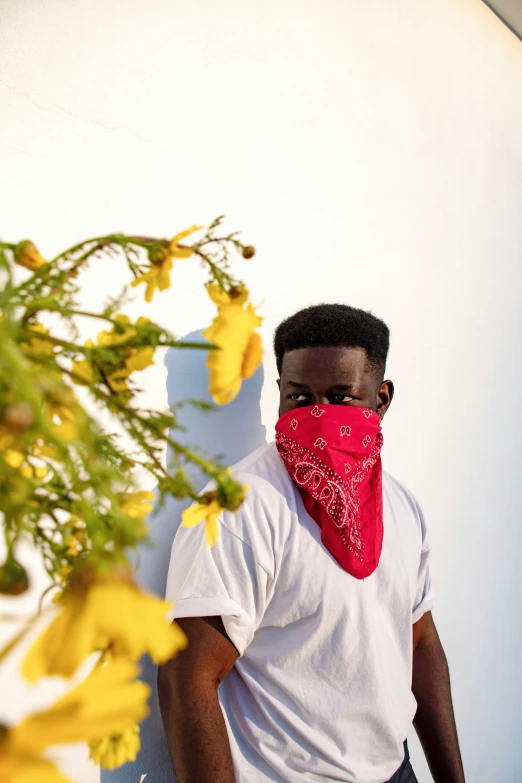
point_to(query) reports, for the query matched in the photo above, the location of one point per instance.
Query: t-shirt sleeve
(425, 593)
(225, 579)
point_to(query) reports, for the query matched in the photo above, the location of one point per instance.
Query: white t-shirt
(322, 687)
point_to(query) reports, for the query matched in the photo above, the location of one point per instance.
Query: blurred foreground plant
(69, 485)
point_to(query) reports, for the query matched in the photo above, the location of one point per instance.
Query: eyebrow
(336, 386)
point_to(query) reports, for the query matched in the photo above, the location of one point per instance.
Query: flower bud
(26, 254)
(18, 417)
(249, 251)
(158, 253)
(13, 578)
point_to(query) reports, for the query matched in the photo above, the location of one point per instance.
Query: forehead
(324, 365)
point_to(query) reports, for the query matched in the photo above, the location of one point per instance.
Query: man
(311, 641)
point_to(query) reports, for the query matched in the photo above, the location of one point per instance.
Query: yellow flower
(63, 419)
(116, 337)
(158, 276)
(110, 614)
(33, 472)
(137, 504)
(239, 350)
(111, 752)
(140, 359)
(42, 449)
(83, 370)
(61, 407)
(37, 345)
(108, 702)
(207, 512)
(26, 254)
(134, 360)
(73, 546)
(63, 571)
(14, 458)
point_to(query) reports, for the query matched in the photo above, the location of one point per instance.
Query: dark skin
(332, 376)
(188, 684)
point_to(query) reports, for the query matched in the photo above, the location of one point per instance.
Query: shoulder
(266, 476)
(397, 492)
(402, 501)
(270, 503)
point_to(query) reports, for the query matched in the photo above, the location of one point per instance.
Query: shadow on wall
(232, 432)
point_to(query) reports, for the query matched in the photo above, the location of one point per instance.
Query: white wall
(372, 151)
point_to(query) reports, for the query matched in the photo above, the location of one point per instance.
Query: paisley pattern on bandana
(332, 453)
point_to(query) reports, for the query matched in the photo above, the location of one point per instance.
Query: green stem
(30, 334)
(80, 245)
(217, 273)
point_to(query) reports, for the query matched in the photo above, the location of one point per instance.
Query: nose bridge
(321, 399)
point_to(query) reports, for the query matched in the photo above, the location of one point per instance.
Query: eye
(298, 397)
(341, 399)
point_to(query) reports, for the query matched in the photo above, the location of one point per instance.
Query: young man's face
(332, 376)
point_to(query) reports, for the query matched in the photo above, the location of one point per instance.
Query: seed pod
(13, 578)
(249, 251)
(18, 417)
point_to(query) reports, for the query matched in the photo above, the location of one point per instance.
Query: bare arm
(435, 721)
(190, 710)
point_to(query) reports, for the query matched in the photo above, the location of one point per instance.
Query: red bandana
(332, 452)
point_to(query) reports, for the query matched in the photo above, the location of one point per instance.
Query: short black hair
(334, 325)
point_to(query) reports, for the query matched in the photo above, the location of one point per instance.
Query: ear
(279, 383)
(385, 394)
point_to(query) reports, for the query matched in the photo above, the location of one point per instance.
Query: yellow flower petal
(41, 449)
(207, 512)
(232, 331)
(158, 276)
(211, 531)
(117, 381)
(143, 358)
(24, 768)
(62, 572)
(105, 703)
(151, 287)
(144, 278)
(115, 337)
(164, 274)
(218, 295)
(138, 504)
(194, 515)
(110, 612)
(64, 421)
(174, 242)
(66, 641)
(84, 372)
(37, 345)
(252, 356)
